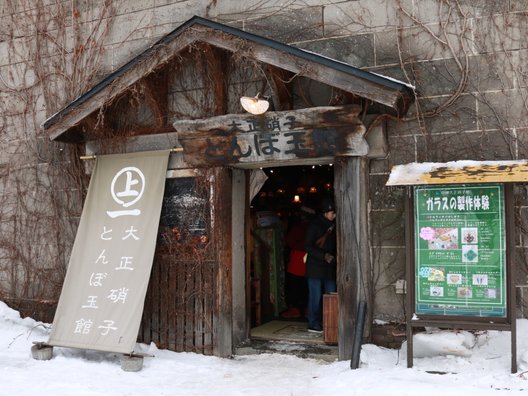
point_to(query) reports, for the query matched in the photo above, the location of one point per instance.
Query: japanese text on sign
(460, 202)
(133, 182)
(102, 298)
(268, 137)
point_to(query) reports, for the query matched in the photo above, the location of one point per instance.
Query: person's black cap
(327, 205)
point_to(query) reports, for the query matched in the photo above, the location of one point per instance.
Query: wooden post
(409, 271)
(223, 320)
(240, 317)
(511, 271)
(351, 195)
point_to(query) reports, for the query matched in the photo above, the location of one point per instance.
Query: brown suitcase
(330, 313)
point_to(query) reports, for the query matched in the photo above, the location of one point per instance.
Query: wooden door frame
(351, 195)
(353, 255)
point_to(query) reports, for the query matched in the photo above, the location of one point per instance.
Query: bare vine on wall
(45, 181)
(465, 62)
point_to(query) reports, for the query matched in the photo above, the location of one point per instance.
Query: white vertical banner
(102, 298)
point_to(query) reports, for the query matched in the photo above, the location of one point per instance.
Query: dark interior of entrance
(280, 212)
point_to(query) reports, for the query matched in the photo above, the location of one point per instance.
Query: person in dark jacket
(320, 245)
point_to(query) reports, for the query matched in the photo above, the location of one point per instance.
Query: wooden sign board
(272, 137)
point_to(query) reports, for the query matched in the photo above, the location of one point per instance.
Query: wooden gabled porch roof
(393, 94)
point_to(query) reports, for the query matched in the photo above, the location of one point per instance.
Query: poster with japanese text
(460, 250)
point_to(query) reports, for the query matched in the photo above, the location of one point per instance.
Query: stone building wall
(467, 60)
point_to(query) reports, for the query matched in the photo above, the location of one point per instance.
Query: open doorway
(280, 212)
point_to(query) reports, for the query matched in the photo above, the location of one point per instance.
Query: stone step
(327, 353)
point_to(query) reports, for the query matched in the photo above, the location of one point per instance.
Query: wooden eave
(459, 172)
(393, 94)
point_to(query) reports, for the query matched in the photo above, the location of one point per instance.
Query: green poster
(460, 250)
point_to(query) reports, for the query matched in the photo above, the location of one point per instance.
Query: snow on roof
(395, 80)
(364, 70)
(458, 172)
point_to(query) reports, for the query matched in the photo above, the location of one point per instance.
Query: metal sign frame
(507, 323)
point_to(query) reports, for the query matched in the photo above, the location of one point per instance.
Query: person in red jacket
(296, 286)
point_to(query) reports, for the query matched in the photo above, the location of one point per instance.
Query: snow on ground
(445, 362)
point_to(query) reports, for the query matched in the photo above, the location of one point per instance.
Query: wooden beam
(459, 172)
(223, 315)
(316, 71)
(156, 89)
(279, 80)
(216, 70)
(90, 126)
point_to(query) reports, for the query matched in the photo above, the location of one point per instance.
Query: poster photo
(469, 235)
(444, 239)
(469, 254)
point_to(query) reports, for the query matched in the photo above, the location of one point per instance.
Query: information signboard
(460, 250)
